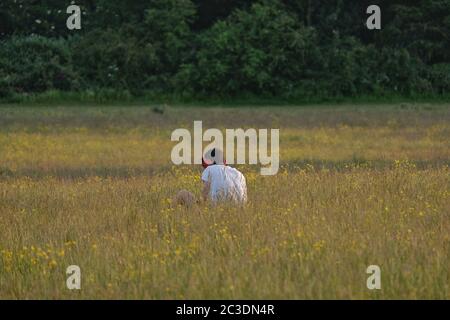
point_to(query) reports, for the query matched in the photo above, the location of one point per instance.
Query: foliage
(284, 48)
(35, 64)
(263, 50)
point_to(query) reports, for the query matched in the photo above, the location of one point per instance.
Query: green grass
(121, 97)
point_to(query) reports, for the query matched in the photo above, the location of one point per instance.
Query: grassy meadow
(358, 185)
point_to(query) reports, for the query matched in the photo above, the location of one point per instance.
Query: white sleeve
(205, 175)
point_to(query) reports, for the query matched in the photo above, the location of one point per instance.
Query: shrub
(137, 57)
(35, 64)
(439, 75)
(261, 51)
(114, 59)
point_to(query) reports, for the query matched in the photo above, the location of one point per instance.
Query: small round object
(185, 198)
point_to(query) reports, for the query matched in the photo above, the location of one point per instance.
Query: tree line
(211, 48)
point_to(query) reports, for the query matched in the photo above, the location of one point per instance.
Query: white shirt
(226, 183)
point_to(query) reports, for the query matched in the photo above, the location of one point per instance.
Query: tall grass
(93, 188)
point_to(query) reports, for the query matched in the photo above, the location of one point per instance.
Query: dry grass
(92, 187)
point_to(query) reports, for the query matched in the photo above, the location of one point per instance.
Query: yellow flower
(319, 245)
(52, 263)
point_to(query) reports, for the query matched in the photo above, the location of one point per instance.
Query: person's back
(225, 183)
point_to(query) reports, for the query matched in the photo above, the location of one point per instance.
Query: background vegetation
(299, 49)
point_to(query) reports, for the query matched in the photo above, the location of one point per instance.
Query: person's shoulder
(236, 171)
(216, 167)
(206, 173)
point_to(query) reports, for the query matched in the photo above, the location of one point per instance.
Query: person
(222, 183)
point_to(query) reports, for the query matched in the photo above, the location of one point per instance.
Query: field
(358, 185)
